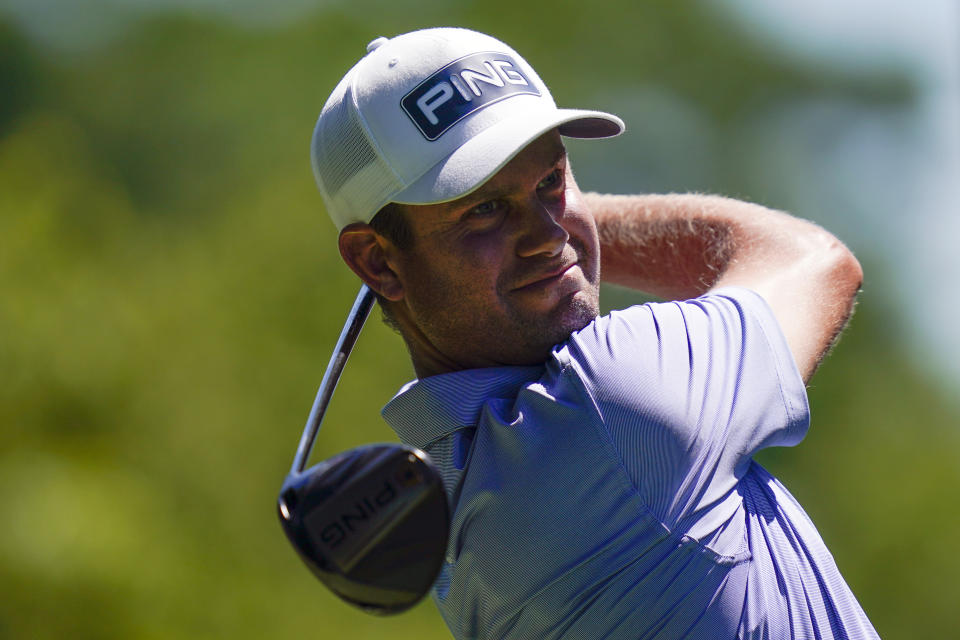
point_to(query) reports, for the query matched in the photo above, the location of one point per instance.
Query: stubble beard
(539, 333)
(518, 336)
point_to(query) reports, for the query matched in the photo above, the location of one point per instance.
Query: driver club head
(371, 523)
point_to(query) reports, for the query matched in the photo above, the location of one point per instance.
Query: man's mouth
(546, 278)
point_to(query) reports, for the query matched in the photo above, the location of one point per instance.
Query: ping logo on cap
(462, 87)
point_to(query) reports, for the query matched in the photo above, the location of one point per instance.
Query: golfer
(599, 468)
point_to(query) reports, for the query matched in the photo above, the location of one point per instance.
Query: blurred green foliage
(171, 294)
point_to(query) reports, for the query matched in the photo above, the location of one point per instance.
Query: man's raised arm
(681, 246)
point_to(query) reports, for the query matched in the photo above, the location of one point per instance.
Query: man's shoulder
(619, 330)
(668, 344)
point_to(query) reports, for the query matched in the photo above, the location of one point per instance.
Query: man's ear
(365, 251)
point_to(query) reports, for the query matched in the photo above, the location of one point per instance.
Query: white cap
(428, 117)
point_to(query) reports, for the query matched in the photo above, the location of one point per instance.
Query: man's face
(504, 273)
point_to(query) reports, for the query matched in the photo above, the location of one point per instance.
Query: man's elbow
(834, 303)
(845, 272)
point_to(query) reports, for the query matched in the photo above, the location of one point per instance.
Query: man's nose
(540, 230)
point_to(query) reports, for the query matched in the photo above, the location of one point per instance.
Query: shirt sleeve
(689, 391)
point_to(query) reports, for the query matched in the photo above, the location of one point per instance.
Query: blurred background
(170, 290)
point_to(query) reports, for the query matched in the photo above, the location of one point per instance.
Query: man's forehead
(538, 157)
(542, 154)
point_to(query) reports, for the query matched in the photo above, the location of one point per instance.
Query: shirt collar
(428, 409)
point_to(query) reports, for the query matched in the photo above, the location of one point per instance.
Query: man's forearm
(680, 246)
(671, 246)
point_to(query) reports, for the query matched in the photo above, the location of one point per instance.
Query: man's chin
(582, 309)
(574, 313)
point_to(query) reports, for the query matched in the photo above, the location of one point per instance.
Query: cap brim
(480, 157)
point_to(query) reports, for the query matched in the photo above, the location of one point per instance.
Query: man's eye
(485, 208)
(551, 180)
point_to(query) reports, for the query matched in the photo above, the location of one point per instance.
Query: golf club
(372, 522)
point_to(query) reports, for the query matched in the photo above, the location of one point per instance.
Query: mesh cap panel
(352, 176)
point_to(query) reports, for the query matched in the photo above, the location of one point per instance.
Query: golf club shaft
(348, 337)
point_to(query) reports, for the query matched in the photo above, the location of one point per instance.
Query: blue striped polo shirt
(611, 492)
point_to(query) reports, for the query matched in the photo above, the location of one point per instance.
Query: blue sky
(900, 171)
